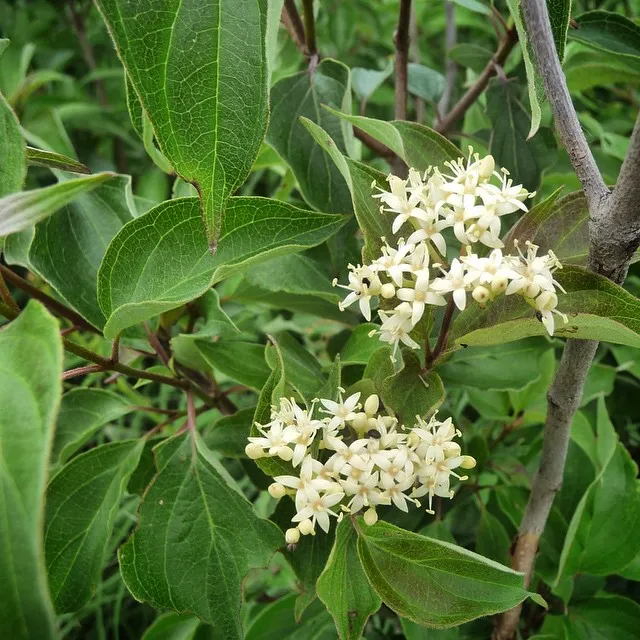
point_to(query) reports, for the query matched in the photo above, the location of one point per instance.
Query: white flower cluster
(369, 460)
(415, 273)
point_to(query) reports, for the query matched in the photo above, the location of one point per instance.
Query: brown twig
(401, 41)
(293, 24)
(6, 297)
(82, 371)
(414, 48)
(451, 68)
(48, 301)
(154, 341)
(444, 329)
(309, 28)
(373, 144)
(472, 94)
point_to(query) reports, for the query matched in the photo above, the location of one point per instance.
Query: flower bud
(468, 462)
(292, 535)
(359, 423)
(277, 490)
(532, 290)
(387, 290)
(452, 451)
(305, 527)
(487, 167)
(498, 285)
(285, 453)
(370, 516)
(480, 294)
(254, 451)
(372, 404)
(388, 421)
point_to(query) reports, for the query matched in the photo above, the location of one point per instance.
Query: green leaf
(607, 31)
(491, 367)
(172, 626)
(200, 72)
(160, 260)
(524, 157)
(12, 151)
(604, 616)
(413, 631)
(419, 146)
(243, 362)
(468, 54)
(53, 160)
(598, 309)
(82, 413)
(366, 81)
(431, 582)
(424, 82)
(534, 81)
(588, 68)
(559, 17)
(82, 503)
(492, 540)
(359, 348)
(343, 585)
(216, 322)
(19, 211)
(360, 180)
(68, 247)
(301, 95)
(30, 370)
(229, 434)
(196, 539)
(277, 621)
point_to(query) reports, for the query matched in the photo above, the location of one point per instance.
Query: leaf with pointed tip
(424, 82)
(196, 539)
(82, 502)
(30, 388)
(241, 361)
(608, 31)
(19, 211)
(68, 247)
(53, 160)
(161, 260)
(82, 413)
(366, 81)
(435, 583)
(597, 308)
(419, 146)
(200, 72)
(300, 96)
(12, 151)
(343, 585)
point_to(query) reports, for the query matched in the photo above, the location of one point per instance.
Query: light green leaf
(19, 211)
(473, 5)
(193, 559)
(493, 367)
(12, 151)
(592, 68)
(53, 160)
(492, 540)
(82, 503)
(343, 585)
(534, 81)
(68, 247)
(607, 31)
(419, 146)
(229, 434)
(302, 95)
(424, 82)
(359, 348)
(366, 81)
(241, 361)
(598, 309)
(468, 54)
(173, 626)
(160, 260)
(361, 180)
(200, 72)
(82, 413)
(434, 583)
(30, 388)
(524, 157)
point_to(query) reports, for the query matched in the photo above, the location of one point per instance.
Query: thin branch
(115, 349)
(414, 47)
(474, 91)
(293, 24)
(444, 329)
(451, 68)
(48, 301)
(401, 41)
(82, 371)
(373, 144)
(6, 297)
(614, 229)
(309, 28)
(154, 341)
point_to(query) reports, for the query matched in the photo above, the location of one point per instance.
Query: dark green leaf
(53, 160)
(12, 151)
(360, 346)
(343, 585)
(173, 626)
(559, 17)
(492, 540)
(229, 434)
(194, 558)
(82, 413)
(471, 55)
(19, 211)
(434, 583)
(30, 370)
(608, 31)
(302, 95)
(605, 616)
(160, 260)
(200, 71)
(241, 361)
(82, 503)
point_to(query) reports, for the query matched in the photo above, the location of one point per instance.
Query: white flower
(398, 202)
(355, 455)
(341, 411)
(420, 296)
(317, 508)
(396, 491)
(453, 282)
(535, 273)
(275, 435)
(430, 230)
(366, 492)
(305, 481)
(546, 304)
(392, 262)
(364, 284)
(458, 219)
